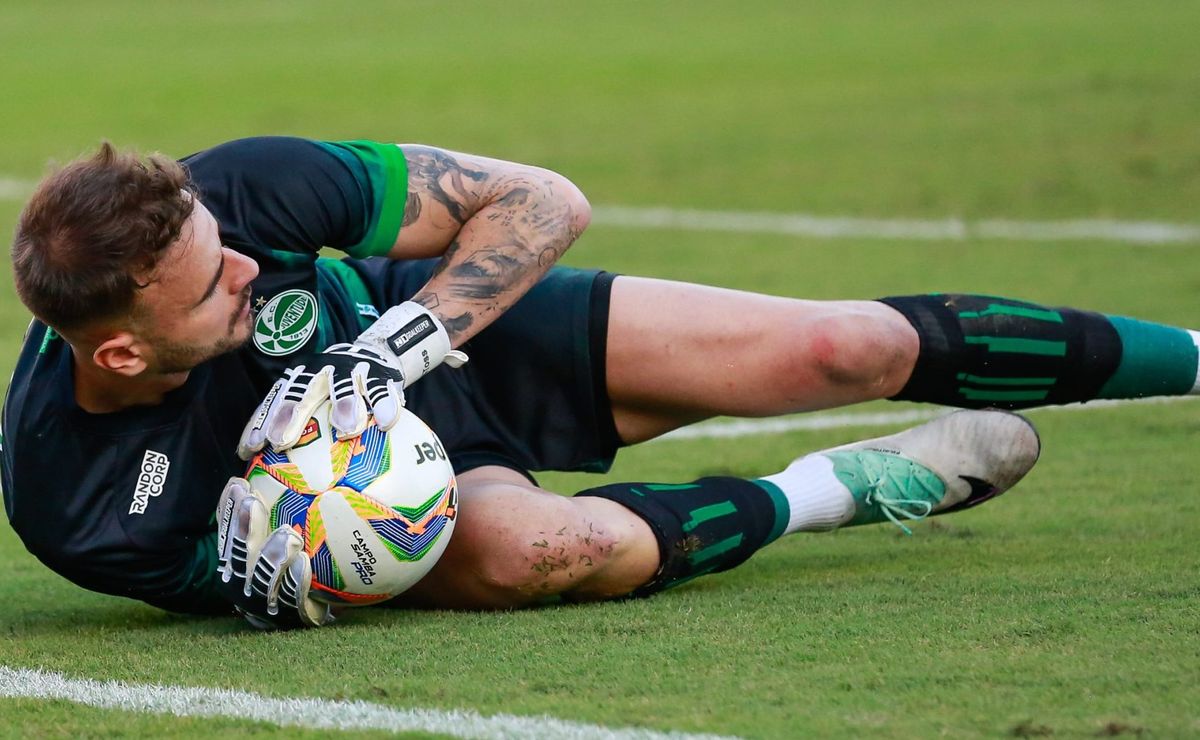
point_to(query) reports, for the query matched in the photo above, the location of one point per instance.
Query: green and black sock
(710, 525)
(981, 351)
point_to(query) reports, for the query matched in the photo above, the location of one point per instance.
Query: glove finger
(305, 392)
(235, 491)
(272, 558)
(386, 398)
(294, 589)
(297, 381)
(246, 534)
(281, 547)
(254, 436)
(349, 413)
(299, 571)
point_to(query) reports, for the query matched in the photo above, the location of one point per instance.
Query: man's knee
(863, 345)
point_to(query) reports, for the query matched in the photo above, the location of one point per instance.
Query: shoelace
(891, 507)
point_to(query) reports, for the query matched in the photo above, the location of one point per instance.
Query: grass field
(1070, 607)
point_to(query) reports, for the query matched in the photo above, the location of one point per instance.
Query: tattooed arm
(497, 225)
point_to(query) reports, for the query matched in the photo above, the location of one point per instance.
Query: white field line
(322, 714)
(811, 422)
(847, 227)
(12, 188)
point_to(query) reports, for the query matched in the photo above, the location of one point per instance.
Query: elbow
(574, 204)
(581, 209)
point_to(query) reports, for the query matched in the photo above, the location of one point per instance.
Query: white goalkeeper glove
(266, 576)
(363, 379)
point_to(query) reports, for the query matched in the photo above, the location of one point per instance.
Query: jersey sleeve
(286, 198)
(182, 580)
(386, 173)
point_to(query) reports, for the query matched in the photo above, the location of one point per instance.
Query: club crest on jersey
(286, 322)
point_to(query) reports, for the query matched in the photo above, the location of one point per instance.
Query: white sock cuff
(816, 498)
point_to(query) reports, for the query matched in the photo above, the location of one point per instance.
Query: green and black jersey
(123, 503)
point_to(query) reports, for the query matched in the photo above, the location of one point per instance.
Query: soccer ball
(375, 511)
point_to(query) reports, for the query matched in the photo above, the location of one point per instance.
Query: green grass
(1069, 606)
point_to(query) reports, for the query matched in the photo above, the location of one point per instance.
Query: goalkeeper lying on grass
(171, 298)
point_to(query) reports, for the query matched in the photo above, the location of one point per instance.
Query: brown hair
(91, 229)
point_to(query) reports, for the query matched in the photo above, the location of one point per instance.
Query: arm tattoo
(522, 228)
(456, 325)
(412, 209)
(428, 300)
(535, 235)
(443, 178)
(486, 274)
(447, 256)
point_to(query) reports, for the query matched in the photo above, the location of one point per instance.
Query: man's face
(197, 305)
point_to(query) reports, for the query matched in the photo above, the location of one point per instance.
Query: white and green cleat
(951, 463)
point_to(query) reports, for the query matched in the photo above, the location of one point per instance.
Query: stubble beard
(175, 357)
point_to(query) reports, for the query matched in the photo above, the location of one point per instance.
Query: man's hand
(363, 379)
(267, 577)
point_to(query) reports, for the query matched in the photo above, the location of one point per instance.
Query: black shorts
(533, 395)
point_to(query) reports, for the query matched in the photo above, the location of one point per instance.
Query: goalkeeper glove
(363, 379)
(266, 576)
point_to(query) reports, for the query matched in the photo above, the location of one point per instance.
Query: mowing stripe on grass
(309, 713)
(816, 422)
(845, 227)
(848, 227)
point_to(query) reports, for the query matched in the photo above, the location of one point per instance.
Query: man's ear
(121, 353)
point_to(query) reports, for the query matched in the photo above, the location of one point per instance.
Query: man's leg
(678, 353)
(515, 544)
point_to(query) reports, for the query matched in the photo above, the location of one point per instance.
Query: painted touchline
(310, 713)
(816, 421)
(927, 230)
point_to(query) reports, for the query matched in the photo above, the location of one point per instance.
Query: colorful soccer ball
(375, 511)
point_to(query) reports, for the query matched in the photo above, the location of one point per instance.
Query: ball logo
(311, 433)
(151, 479)
(286, 323)
(365, 565)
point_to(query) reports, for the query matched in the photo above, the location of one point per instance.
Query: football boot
(949, 464)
